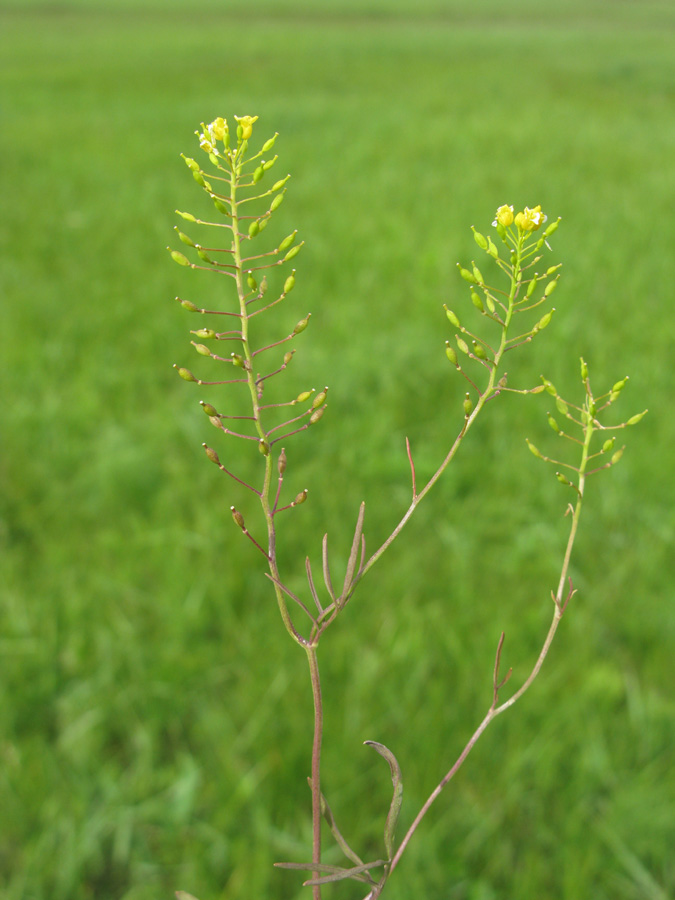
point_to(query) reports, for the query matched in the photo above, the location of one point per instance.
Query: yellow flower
(246, 123)
(530, 219)
(218, 128)
(504, 216)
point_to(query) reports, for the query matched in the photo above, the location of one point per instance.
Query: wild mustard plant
(508, 316)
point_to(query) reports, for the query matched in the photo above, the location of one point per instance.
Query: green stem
(316, 763)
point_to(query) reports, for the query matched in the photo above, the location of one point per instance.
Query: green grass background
(154, 718)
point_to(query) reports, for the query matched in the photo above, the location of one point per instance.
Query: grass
(154, 722)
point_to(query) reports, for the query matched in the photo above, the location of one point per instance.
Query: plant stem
(316, 763)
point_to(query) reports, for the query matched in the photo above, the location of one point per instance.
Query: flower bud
(450, 353)
(302, 496)
(468, 405)
(253, 228)
(179, 257)
(289, 284)
(477, 302)
(202, 349)
(479, 239)
(287, 241)
(211, 453)
(320, 399)
(635, 419)
(533, 450)
(277, 201)
(452, 318)
(316, 415)
(187, 216)
(238, 518)
(302, 324)
(264, 447)
(185, 374)
(187, 304)
(466, 275)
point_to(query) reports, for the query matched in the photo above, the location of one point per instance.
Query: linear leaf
(397, 798)
(335, 831)
(326, 569)
(358, 873)
(351, 562)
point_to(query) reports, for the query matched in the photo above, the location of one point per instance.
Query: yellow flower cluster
(246, 125)
(527, 220)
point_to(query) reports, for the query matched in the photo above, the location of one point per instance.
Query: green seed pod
(202, 349)
(302, 496)
(620, 385)
(477, 274)
(211, 453)
(263, 222)
(462, 344)
(289, 284)
(551, 228)
(585, 417)
(550, 287)
(213, 158)
(191, 163)
(616, 456)
(479, 239)
(254, 228)
(270, 162)
(490, 301)
(178, 257)
(562, 406)
(450, 353)
(238, 518)
(549, 387)
(531, 286)
(279, 184)
(466, 275)
(316, 415)
(258, 174)
(251, 282)
(533, 450)
(187, 304)
(220, 206)
(215, 421)
(452, 318)
(267, 146)
(185, 374)
(561, 478)
(288, 357)
(491, 249)
(293, 252)
(479, 350)
(552, 269)
(320, 399)
(302, 324)
(287, 241)
(635, 419)
(206, 334)
(203, 255)
(614, 395)
(584, 369)
(264, 447)
(199, 178)
(281, 463)
(263, 286)
(208, 409)
(305, 395)
(238, 361)
(187, 216)
(592, 407)
(468, 405)
(477, 302)
(554, 425)
(278, 200)
(545, 320)
(608, 445)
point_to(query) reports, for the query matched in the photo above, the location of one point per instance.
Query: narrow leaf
(326, 569)
(312, 589)
(397, 798)
(358, 873)
(327, 813)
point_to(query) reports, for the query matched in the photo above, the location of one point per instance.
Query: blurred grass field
(154, 719)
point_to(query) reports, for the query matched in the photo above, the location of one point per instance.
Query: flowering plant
(235, 188)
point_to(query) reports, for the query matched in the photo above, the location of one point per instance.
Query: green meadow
(155, 719)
